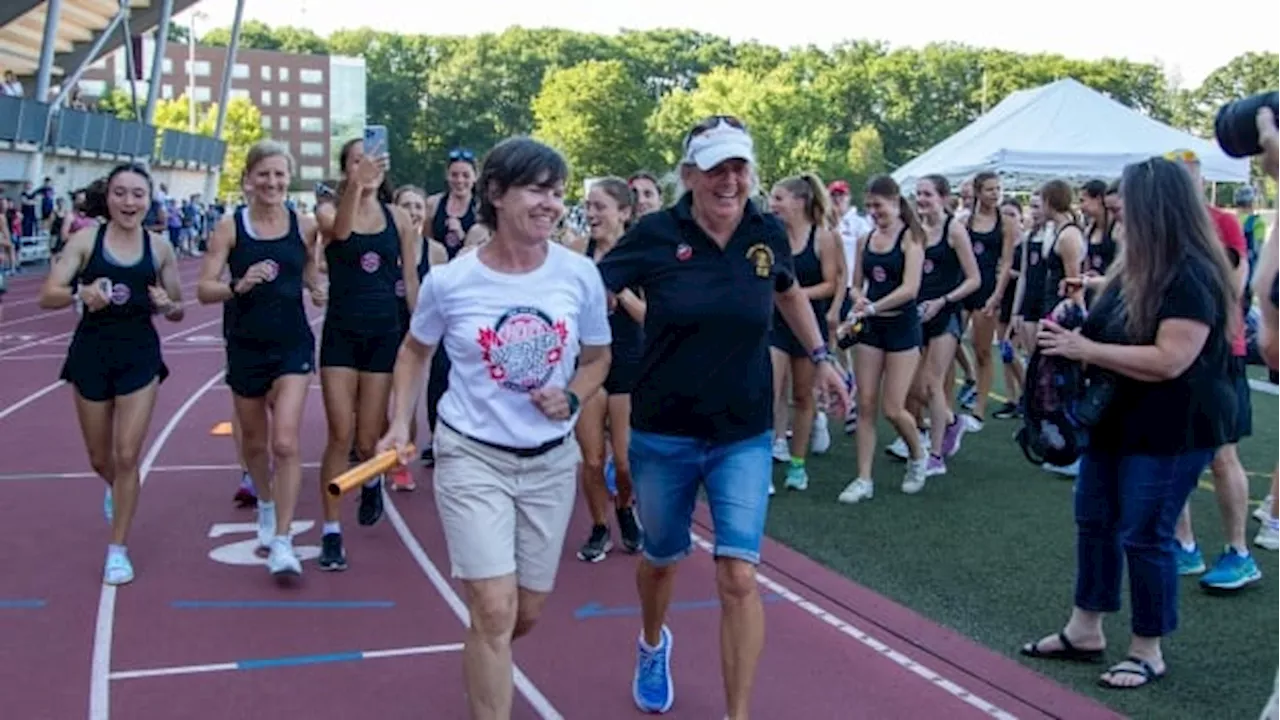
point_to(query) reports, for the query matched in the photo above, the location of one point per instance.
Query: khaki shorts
(503, 514)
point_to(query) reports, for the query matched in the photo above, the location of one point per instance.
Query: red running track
(204, 633)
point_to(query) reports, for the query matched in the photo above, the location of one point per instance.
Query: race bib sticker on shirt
(523, 348)
(370, 262)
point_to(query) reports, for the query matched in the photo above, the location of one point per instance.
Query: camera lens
(1237, 125)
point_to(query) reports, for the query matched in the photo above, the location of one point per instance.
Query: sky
(1187, 45)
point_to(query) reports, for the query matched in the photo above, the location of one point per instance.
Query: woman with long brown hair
(1157, 336)
(609, 213)
(950, 274)
(123, 275)
(891, 259)
(992, 240)
(802, 204)
(364, 238)
(413, 200)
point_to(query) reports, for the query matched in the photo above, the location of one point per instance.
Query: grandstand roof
(79, 25)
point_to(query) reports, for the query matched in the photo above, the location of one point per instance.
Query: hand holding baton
(360, 474)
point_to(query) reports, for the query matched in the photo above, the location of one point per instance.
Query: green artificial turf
(988, 550)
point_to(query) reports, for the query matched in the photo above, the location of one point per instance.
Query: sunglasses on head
(1185, 156)
(463, 155)
(712, 123)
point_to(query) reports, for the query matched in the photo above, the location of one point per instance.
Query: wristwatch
(574, 402)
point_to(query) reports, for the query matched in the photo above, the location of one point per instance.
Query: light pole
(191, 71)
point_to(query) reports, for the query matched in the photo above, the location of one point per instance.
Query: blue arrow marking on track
(22, 604)
(598, 610)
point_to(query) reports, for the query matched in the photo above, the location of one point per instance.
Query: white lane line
(541, 705)
(880, 647)
(286, 662)
(1264, 387)
(104, 626)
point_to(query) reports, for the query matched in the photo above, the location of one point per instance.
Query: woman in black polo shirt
(1157, 333)
(711, 269)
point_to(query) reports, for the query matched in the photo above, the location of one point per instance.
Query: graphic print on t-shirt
(523, 348)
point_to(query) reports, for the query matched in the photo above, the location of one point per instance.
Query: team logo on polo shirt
(523, 348)
(761, 256)
(683, 252)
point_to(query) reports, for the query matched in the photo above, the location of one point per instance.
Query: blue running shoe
(1190, 562)
(652, 688)
(1232, 571)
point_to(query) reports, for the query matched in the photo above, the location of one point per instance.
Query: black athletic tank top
(941, 272)
(363, 274)
(628, 335)
(883, 272)
(424, 260)
(129, 302)
(1054, 270)
(987, 246)
(440, 224)
(1101, 254)
(271, 311)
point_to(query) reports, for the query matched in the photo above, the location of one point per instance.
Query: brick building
(310, 102)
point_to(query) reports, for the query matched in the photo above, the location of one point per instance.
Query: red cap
(838, 187)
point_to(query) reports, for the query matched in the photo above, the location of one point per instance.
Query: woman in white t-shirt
(525, 323)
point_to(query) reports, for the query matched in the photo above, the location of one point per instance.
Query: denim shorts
(667, 472)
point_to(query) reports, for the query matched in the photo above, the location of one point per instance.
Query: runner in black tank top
(802, 203)
(454, 212)
(269, 251)
(991, 248)
(451, 232)
(886, 281)
(1061, 262)
(365, 237)
(413, 200)
(609, 208)
(949, 274)
(114, 362)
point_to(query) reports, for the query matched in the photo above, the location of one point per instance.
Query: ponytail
(915, 231)
(817, 203)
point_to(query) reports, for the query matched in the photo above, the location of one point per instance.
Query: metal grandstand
(48, 44)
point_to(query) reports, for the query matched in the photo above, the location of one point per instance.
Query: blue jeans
(1126, 509)
(667, 471)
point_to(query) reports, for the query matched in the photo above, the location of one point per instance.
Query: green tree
(257, 35)
(580, 105)
(241, 128)
(785, 119)
(865, 158)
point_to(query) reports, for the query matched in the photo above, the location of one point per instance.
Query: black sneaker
(370, 504)
(332, 556)
(428, 457)
(1008, 411)
(597, 547)
(353, 457)
(629, 529)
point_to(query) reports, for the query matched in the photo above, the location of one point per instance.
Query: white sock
(332, 528)
(373, 482)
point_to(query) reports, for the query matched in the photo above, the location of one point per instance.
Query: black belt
(532, 452)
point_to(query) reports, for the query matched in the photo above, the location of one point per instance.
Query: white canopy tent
(1062, 130)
